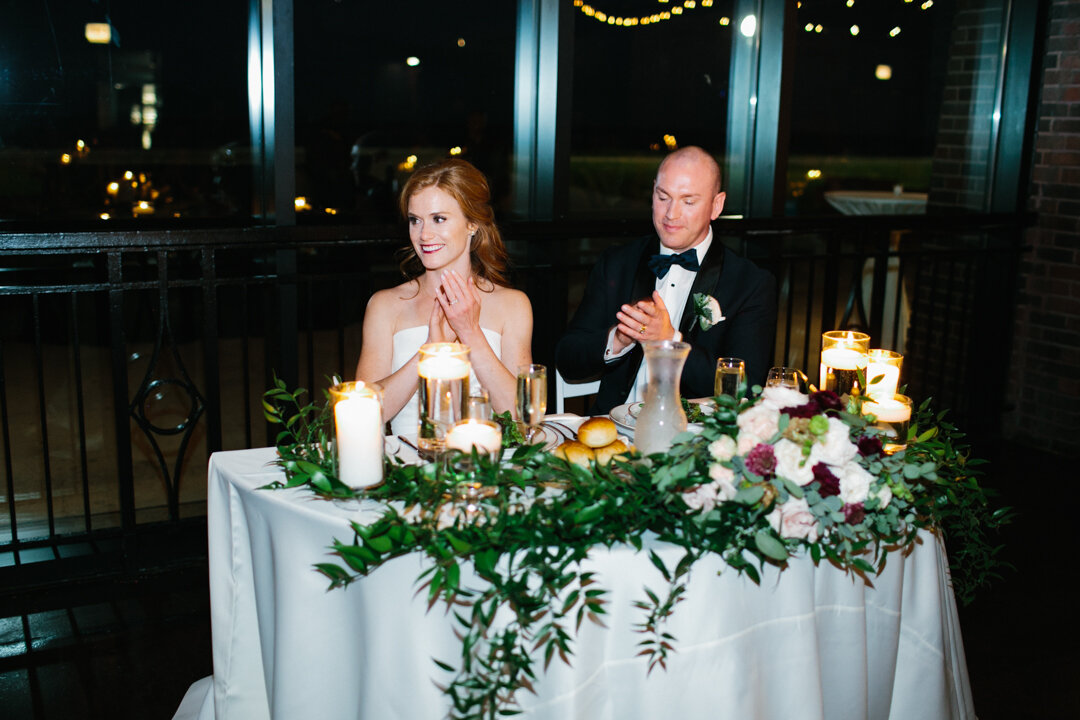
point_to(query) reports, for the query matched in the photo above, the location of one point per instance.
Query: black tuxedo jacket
(747, 298)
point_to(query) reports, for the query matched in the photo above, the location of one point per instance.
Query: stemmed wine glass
(531, 397)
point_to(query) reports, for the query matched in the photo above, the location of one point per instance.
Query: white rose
(789, 462)
(723, 482)
(783, 397)
(723, 448)
(835, 447)
(793, 519)
(883, 495)
(854, 483)
(760, 420)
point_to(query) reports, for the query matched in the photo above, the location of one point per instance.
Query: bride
(456, 291)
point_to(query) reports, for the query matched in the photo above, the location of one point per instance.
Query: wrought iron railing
(127, 358)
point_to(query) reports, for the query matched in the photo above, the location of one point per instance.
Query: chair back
(564, 390)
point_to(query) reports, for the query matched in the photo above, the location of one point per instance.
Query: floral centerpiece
(769, 477)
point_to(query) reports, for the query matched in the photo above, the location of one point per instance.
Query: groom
(645, 291)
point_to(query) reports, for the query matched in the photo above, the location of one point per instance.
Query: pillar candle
(359, 432)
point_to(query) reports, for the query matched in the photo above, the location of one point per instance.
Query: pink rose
(793, 519)
(760, 420)
(724, 482)
(703, 497)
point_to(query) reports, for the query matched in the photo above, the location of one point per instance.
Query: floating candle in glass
(893, 418)
(843, 354)
(358, 428)
(885, 364)
(484, 435)
(444, 393)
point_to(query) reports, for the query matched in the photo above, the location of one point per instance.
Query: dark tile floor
(130, 649)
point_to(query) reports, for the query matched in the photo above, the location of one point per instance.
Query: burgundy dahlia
(761, 460)
(808, 410)
(869, 446)
(827, 400)
(829, 483)
(854, 513)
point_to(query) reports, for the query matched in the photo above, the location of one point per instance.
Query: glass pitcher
(661, 417)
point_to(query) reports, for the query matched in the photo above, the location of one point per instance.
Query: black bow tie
(660, 264)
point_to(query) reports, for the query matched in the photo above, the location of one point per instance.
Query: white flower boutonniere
(707, 311)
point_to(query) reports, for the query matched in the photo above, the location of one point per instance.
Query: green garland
(535, 517)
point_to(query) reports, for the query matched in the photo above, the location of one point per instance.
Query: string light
(813, 174)
(854, 29)
(651, 19)
(895, 31)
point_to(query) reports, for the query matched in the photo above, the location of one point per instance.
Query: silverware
(409, 442)
(563, 430)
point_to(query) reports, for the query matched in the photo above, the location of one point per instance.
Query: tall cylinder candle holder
(893, 417)
(444, 393)
(843, 355)
(883, 366)
(358, 431)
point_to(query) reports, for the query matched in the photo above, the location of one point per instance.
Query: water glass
(479, 405)
(786, 377)
(730, 378)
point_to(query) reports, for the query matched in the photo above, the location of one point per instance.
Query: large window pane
(384, 87)
(152, 122)
(893, 106)
(643, 89)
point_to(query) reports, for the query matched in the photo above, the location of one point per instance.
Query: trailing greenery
(737, 489)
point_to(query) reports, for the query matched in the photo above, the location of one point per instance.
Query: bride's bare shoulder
(511, 302)
(395, 296)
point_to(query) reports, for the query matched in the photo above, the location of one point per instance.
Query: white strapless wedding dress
(406, 344)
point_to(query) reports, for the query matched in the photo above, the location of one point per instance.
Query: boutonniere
(707, 311)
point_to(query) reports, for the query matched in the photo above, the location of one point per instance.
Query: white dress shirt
(674, 289)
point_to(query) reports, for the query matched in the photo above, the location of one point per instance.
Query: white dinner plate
(626, 415)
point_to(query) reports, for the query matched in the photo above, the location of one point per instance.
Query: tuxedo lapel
(704, 282)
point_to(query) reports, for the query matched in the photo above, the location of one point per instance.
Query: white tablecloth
(809, 642)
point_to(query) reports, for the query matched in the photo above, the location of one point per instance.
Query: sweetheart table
(808, 642)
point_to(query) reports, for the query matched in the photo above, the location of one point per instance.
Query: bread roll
(605, 454)
(575, 452)
(597, 432)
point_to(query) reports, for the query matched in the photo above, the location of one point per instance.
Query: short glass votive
(358, 431)
(883, 366)
(893, 417)
(444, 393)
(843, 355)
(484, 435)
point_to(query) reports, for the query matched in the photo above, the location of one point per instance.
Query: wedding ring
(642, 330)
(452, 302)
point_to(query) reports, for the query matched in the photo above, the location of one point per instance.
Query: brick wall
(1044, 390)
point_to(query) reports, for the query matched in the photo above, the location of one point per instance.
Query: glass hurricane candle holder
(484, 435)
(358, 431)
(893, 417)
(884, 367)
(444, 393)
(843, 355)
